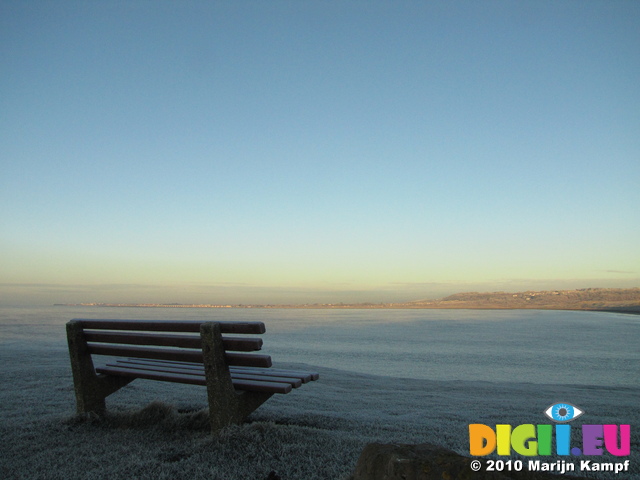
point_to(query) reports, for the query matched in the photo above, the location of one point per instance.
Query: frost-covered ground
(159, 430)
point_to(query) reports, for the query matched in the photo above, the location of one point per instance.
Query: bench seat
(254, 380)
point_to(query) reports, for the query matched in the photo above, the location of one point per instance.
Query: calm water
(519, 345)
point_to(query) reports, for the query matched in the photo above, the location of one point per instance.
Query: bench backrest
(172, 340)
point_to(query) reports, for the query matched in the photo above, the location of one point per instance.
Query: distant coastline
(590, 299)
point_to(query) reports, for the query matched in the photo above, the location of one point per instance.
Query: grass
(158, 430)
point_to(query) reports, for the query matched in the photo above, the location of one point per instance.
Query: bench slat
(267, 387)
(141, 365)
(165, 340)
(160, 363)
(294, 382)
(182, 355)
(156, 367)
(167, 377)
(242, 344)
(168, 340)
(248, 359)
(239, 384)
(169, 325)
(304, 376)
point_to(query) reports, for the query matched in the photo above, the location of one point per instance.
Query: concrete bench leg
(226, 406)
(91, 389)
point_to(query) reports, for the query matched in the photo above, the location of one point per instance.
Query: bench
(193, 352)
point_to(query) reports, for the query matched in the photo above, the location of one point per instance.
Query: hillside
(616, 299)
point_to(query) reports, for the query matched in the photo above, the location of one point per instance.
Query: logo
(563, 412)
(537, 440)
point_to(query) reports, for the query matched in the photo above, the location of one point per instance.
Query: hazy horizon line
(235, 293)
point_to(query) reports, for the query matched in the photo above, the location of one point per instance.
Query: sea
(530, 346)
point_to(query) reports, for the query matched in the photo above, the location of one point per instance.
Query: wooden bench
(192, 352)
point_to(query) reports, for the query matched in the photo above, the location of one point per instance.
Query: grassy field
(157, 430)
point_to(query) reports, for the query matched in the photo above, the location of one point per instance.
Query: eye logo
(563, 412)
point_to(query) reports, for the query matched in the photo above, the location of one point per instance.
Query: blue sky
(265, 152)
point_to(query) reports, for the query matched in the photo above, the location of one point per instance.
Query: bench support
(91, 389)
(226, 406)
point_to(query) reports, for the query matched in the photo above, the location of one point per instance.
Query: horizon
(351, 304)
(49, 293)
(316, 153)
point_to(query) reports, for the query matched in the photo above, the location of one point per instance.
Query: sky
(316, 151)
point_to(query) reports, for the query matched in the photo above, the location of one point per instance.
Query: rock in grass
(429, 462)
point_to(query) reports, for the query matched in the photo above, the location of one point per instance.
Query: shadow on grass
(156, 415)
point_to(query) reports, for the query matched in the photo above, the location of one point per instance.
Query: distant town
(623, 300)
